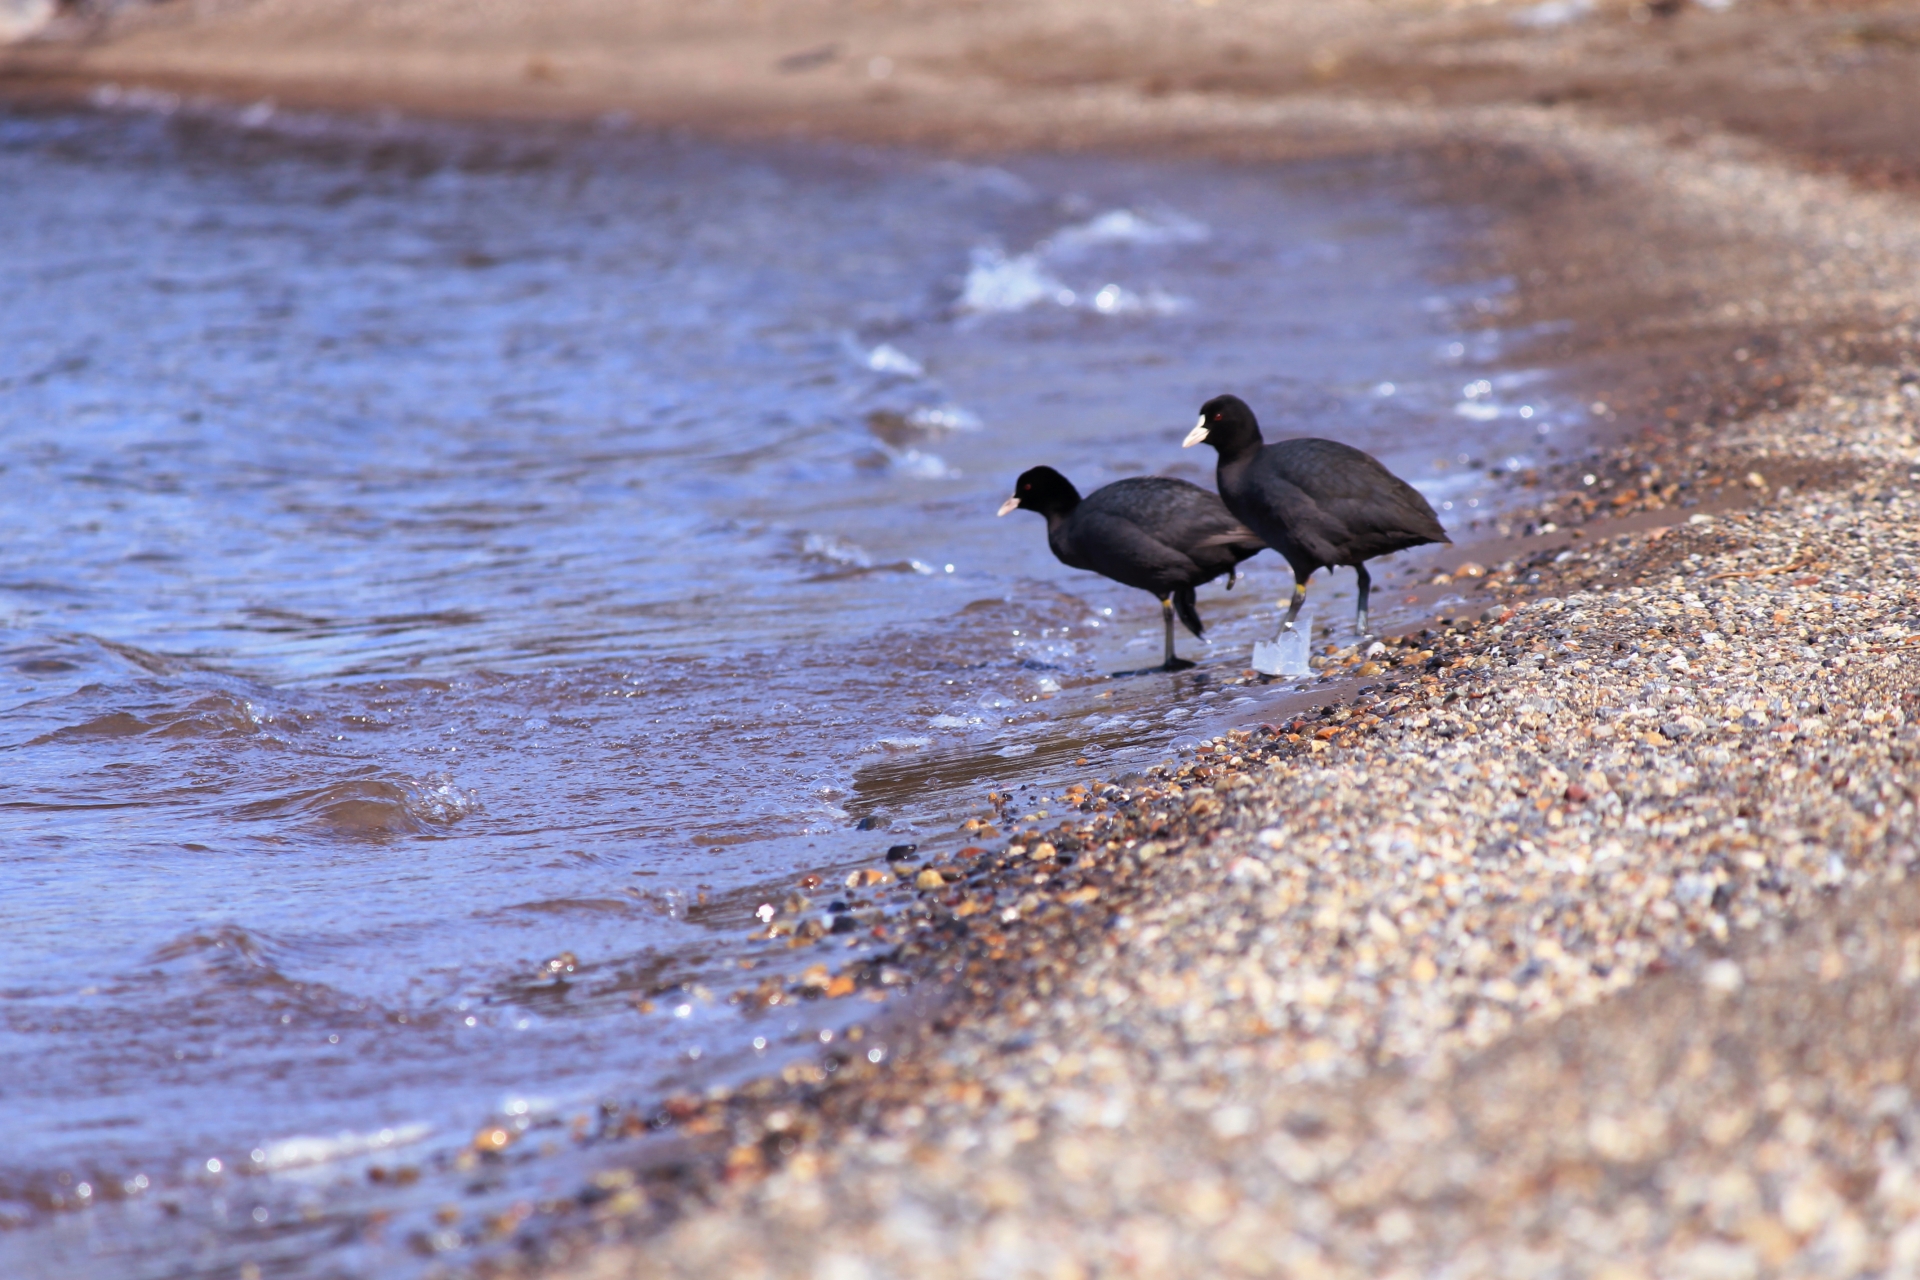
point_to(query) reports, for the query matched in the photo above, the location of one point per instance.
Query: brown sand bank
(1835, 84)
(1576, 938)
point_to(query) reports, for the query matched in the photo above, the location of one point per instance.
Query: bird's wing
(1241, 540)
(1118, 548)
(1375, 510)
(1332, 472)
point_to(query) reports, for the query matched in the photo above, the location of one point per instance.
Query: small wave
(212, 715)
(835, 551)
(988, 178)
(306, 1150)
(375, 807)
(1113, 300)
(836, 558)
(904, 743)
(233, 957)
(437, 800)
(575, 906)
(997, 283)
(901, 436)
(1125, 226)
(226, 946)
(158, 664)
(921, 465)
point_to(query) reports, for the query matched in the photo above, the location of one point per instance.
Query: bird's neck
(1057, 518)
(1240, 450)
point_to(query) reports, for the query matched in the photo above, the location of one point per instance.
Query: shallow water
(437, 560)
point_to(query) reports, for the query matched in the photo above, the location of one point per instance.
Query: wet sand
(1574, 937)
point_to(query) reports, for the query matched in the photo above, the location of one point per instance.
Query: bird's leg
(1293, 608)
(1360, 616)
(1166, 614)
(1233, 575)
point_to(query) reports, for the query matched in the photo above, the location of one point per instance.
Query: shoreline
(1568, 938)
(1299, 1002)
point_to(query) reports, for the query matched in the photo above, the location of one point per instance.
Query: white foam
(436, 799)
(824, 546)
(945, 417)
(997, 283)
(307, 1149)
(1113, 300)
(1125, 226)
(921, 465)
(887, 358)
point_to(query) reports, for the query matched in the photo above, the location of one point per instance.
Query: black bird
(1152, 532)
(1318, 503)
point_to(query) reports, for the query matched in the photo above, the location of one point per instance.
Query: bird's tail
(1184, 605)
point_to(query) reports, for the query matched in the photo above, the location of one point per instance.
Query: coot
(1156, 533)
(1319, 503)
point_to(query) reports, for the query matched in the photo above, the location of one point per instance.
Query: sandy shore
(1576, 938)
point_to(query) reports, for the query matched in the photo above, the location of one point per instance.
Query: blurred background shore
(1834, 84)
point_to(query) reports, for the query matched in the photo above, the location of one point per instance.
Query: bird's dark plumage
(1318, 503)
(1158, 534)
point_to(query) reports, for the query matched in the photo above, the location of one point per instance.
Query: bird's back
(1330, 500)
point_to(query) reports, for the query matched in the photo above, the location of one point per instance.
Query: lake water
(439, 560)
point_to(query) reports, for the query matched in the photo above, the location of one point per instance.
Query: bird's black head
(1227, 424)
(1044, 490)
